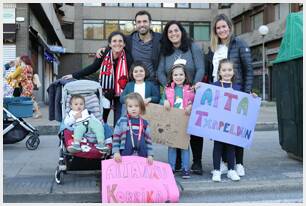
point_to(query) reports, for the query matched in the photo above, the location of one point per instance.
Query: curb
(53, 129)
(191, 189)
(54, 198)
(204, 187)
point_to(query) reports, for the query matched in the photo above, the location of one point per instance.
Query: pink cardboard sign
(134, 180)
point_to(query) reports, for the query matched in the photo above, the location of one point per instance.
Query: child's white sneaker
(223, 167)
(240, 170)
(232, 174)
(216, 176)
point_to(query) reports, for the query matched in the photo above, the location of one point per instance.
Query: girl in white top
(148, 90)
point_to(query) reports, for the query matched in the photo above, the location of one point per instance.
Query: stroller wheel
(58, 175)
(33, 142)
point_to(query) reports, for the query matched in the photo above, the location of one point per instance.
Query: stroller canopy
(81, 86)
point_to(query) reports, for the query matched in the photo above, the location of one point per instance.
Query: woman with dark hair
(113, 76)
(176, 44)
(224, 45)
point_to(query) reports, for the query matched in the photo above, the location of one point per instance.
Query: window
(93, 29)
(281, 11)
(140, 5)
(68, 29)
(201, 31)
(200, 6)
(169, 5)
(238, 28)
(257, 20)
(126, 27)
(125, 4)
(111, 4)
(187, 27)
(154, 5)
(110, 26)
(91, 4)
(8, 15)
(156, 26)
(181, 5)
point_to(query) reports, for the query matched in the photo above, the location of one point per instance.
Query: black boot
(196, 144)
(196, 168)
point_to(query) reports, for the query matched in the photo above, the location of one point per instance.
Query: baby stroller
(15, 128)
(90, 157)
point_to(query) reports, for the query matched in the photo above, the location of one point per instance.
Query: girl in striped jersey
(132, 134)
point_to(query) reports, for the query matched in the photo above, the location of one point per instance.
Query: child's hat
(180, 61)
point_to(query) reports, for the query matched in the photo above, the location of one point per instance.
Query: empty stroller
(90, 157)
(15, 128)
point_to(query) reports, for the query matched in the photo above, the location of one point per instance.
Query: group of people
(20, 81)
(148, 67)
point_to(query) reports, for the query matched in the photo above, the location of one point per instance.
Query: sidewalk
(267, 120)
(28, 176)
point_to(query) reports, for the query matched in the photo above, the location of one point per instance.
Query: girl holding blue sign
(178, 94)
(224, 44)
(225, 76)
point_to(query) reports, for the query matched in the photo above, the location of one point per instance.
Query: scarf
(107, 78)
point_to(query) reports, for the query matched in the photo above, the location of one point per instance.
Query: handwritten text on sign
(134, 180)
(224, 114)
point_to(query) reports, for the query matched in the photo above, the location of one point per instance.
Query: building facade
(30, 29)
(247, 18)
(83, 28)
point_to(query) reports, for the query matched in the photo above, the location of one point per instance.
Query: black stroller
(15, 128)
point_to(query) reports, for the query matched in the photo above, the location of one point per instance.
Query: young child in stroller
(80, 120)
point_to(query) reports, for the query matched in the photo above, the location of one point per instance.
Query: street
(271, 176)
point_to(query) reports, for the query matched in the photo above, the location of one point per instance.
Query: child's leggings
(184, 157)
(94, 125)
(219, 148)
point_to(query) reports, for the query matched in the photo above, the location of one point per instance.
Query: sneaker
(102, 147)
(196, 168)
(216, 176)
(240, 170)
(185, 174)
(75, 146)
(232, 174)
(223, 167)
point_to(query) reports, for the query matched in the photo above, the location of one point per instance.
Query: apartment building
(247, 18)
(34, 30)
(82, 28)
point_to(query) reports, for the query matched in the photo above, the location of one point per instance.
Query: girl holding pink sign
(132, 134)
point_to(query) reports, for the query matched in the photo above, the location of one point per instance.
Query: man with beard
(144, 44)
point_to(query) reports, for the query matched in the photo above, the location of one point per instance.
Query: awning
(42, 41)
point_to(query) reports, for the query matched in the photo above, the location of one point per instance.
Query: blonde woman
(224, 45)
